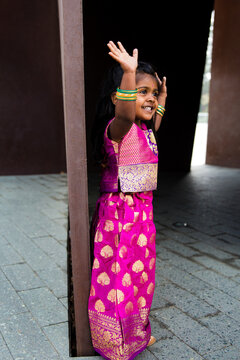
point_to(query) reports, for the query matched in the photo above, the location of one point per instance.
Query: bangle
(129, 95)
(160, 110)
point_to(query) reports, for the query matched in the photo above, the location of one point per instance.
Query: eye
(143, 91)
(155, 94)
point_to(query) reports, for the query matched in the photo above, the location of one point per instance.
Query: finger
(113, 48)
(121, 47)
(114, 56)
(135, 53)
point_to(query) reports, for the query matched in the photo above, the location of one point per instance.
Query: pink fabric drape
(123, 274)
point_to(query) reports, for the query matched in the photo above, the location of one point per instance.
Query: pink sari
(123, 274)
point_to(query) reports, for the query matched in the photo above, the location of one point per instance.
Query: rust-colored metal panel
(223, 147)
(70, 13)
(31, 106)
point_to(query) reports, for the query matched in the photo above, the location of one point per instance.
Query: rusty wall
(31, 110)
(223, 147)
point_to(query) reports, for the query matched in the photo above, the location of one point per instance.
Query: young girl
(123, 272)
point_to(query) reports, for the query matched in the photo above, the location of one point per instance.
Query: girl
(123, 272)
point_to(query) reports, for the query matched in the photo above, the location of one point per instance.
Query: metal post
(71, 31)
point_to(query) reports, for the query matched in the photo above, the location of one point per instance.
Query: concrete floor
(195, 313)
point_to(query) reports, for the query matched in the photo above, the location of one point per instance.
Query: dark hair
(105, 109)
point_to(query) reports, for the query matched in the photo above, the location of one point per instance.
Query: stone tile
(8, 255)
(218, 266)
(219, 282)
(26, 340)
(44, 306)
(180, 277)
(177, 260)
(58, 335)
(191, 332)
(22, 277)
(64, 301)
(31, 253)
(208, 249)
(55, 279)
(55, 250)
(4, 351)
(228, 353)
(10, 302)
(159, 330)
(185, 301)
(221, 301)
(182, 238)
(179, 248)
(224, 326)
(145, 355)
(173, 349)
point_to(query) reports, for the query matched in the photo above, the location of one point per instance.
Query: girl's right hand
(128, 63)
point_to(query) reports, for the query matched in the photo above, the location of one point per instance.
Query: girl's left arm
(161, 100)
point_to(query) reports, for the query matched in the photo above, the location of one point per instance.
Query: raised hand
(128, 63)
(163, 87)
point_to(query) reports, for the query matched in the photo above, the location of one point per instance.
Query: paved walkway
(195, 313)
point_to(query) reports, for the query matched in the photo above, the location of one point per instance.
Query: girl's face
(147, 97)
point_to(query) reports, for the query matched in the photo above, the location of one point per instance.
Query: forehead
(146, 80)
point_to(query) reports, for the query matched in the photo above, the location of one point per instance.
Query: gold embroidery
(138, 178)
(103, 279)
(96, 264)
(142, 240)
(119, 227)
(92, 291)
(123, 251)
(135, 290)
(144, 278)
(136, 216)
(128, 227)
(129, 308)
(133, 238)
(151, 215)
(116, 240)
(108, 226)
(107, 333)
(152, 238)
(99, 306)
(115, 267)
(129, 200)
(126, 281)
(120, 296)
(138, 266)
(144, 216)
(151, 263)
(141, 302)
(112, 295)
(146, 253)
(98, 236)
(116, 214)
(150, 288)
(106, 251)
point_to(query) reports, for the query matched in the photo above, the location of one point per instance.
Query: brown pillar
(70, 13)
(223, 147)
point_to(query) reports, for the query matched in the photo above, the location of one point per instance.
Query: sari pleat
(123, 274)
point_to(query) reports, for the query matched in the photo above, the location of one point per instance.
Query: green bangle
(126, 91)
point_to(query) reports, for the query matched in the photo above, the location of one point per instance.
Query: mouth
(148, 108)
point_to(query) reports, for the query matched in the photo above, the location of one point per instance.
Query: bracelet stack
(129, 95)
(160, 110)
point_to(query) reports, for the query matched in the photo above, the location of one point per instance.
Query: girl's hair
(105, 109)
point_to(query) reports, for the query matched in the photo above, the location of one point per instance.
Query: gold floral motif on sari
(142, 240)
(107, 333)
(138, 266)
(115, 268)
(126, 280)
(106, 251)
(103, 279)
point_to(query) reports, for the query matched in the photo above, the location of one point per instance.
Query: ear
(113, 97)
